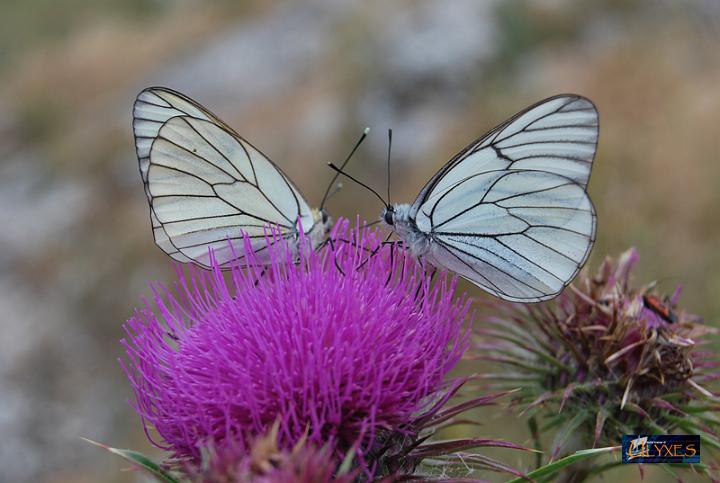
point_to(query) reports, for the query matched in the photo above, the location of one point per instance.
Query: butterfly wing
(153, 107)
(558, 135)
(520, 235)
(206, 185)
(510, 212)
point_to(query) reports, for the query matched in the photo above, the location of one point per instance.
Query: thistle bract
(338, 347)
(265, 462)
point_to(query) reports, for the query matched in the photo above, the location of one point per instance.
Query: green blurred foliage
(29, 25)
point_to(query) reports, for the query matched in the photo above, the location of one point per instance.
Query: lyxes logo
(664, 448)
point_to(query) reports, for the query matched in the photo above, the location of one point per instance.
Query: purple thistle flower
(334, 353)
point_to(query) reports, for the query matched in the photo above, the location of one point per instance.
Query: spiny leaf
(566, 395)
(453, 388)
(552, 468)
(632, 407)
(695, 409)
(526, 364)
(565, 433)
(139, 460)
(462, 461)
(525, 344)
(533, 426)
(496, 376)
(465, 406)
(450, 446)
(690, 424)
(599, 424)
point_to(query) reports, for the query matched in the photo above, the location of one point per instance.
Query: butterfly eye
(388, 216)
(324, 216)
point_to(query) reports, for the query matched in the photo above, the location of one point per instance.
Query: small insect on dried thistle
(605, 359)
(341, 350)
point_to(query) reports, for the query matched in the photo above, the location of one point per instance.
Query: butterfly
(510, 212)
(207, 187)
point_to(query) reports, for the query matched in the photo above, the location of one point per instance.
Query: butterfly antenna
(328, 194)
(340, 171)
(388, 164)
(334, 191)
(372, 223)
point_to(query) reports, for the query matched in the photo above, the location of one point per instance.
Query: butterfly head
(397, 214)
(323, 220)
(388, 215)
(400, 218)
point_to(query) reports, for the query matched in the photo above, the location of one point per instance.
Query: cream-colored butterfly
(510, 212)
(207, 186)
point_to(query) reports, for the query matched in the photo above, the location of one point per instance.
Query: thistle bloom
(606, 359)
(338, 349)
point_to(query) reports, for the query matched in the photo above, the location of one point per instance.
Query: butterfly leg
(329, 242)
(420, 285)
(377, 249)
(393, 244)
(372, 254)
(262, 273)
(354, 244)
(392, 264)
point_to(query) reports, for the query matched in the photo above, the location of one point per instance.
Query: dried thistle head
(605, 359)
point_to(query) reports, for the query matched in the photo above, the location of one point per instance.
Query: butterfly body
(510, 212)
(399, 217)
(320, 229)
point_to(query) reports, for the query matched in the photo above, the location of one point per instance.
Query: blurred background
(301, 80)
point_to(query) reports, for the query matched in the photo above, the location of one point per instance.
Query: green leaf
(552, 468)
(695, 409)
(565, 434)
(141, 461)
(528, 365)
(692, 427)
(709, 440)
(524, 344)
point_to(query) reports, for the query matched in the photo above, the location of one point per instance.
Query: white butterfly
(510, 212)
(207, 185)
